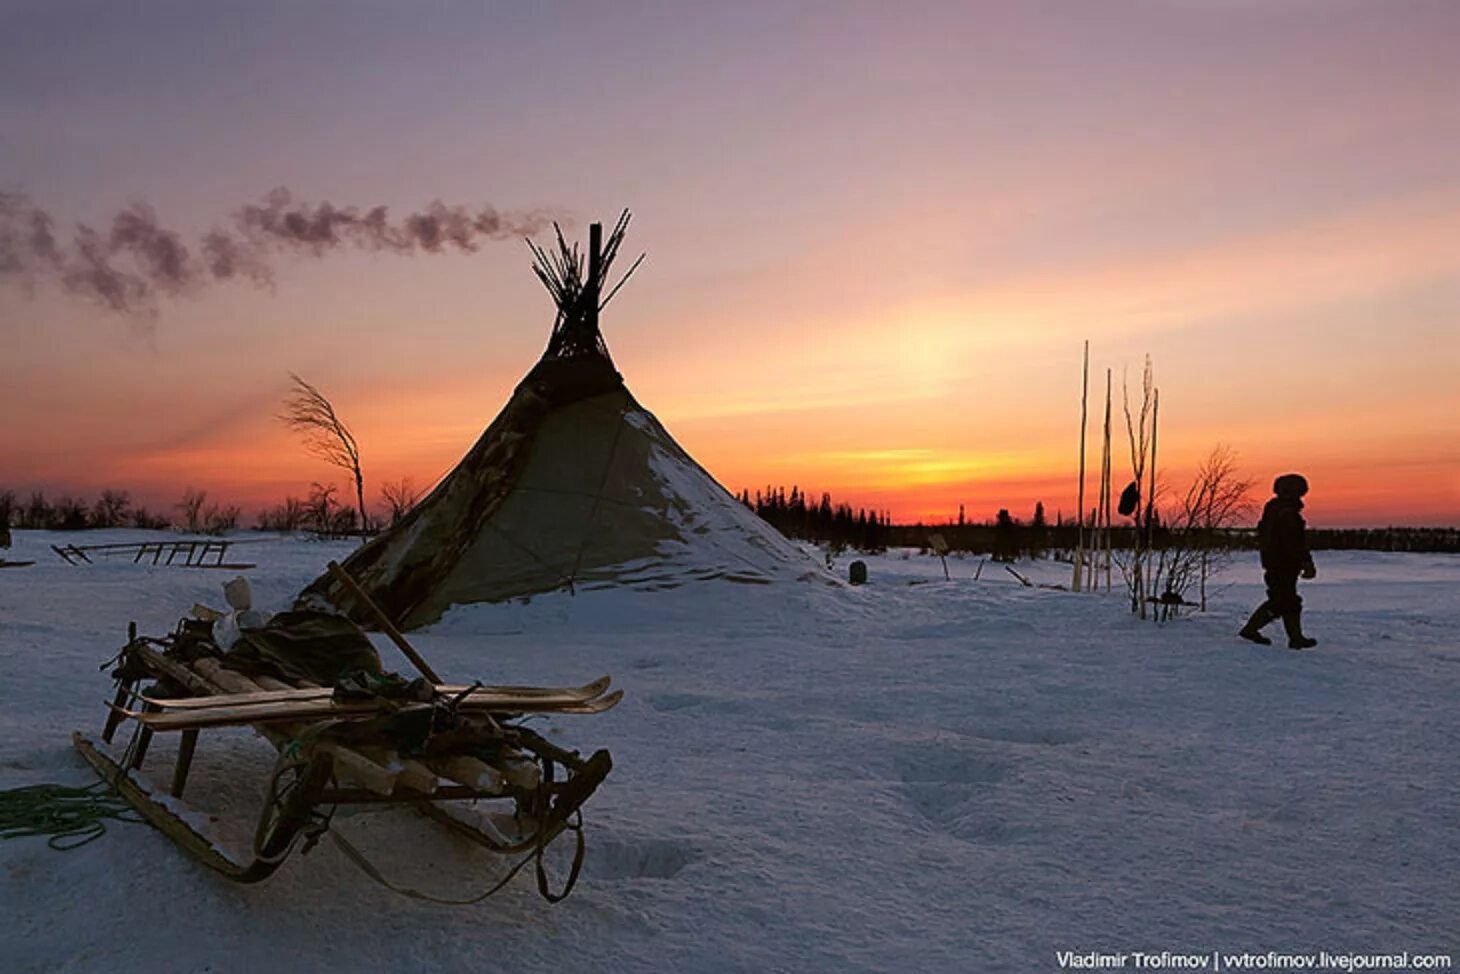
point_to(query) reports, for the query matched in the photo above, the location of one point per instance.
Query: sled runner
(369, 737)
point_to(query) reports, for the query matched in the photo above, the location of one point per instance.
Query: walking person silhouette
(1282, 538)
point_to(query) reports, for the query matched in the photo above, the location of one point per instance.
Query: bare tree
(344, 522)
(320, 511)
(288, 516)
(218, 520)
(1192, 542)
(37, 513)
(70, 513)
(143, 518)
(191, 507)
(311, 415)
(399, 498)
(1141, 431)
(7, 504)
(111, 509)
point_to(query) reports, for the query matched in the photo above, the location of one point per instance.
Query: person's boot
(1293, 623)
(1253, 630)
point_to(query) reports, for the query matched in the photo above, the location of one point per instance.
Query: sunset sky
(878, 234)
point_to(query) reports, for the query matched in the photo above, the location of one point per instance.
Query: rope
(323, 824)
(317, 822)
(71, 817)
(358, 858)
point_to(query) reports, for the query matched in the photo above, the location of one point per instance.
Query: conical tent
(573, 485)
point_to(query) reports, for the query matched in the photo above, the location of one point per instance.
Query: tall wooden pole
(1108, 530)
(382, 620)
(1080, 503)
(1102, 527)
(1151, 495)
(595, 261)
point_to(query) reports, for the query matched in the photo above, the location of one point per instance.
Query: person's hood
(1293, 485)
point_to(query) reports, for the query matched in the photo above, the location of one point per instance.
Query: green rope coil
(71, 817)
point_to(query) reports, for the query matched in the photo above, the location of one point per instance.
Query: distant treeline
(1380, 539)
(320, 513)
(1006, 537)
(1029, 540)
(797, 516)
(113, 509)
(794, 513)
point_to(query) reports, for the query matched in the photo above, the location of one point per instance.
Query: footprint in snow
(1049, 736)
(613, 857)
(950, 790)
(671, 702)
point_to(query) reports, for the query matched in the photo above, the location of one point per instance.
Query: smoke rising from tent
(128, 264)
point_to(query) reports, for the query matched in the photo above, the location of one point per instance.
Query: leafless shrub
(217, 520)
(191, 508)
(111, 509)
(1196, 546)
(69, 514)
(319, 509)
(145, 519)
(7, 506)
(399, 498)
(36, 514)
(1141, 431)
(288, 516)
(325, 515)
(344, 522)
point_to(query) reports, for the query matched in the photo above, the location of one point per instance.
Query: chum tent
(574, 485)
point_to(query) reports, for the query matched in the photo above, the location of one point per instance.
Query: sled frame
(303, 812)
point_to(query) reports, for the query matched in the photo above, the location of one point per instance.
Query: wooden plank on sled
(292, 713)
(587, 691)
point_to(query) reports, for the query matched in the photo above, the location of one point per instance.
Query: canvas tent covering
(573, 485)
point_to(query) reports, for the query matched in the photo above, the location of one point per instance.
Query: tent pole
(382, 620)
(595, 270)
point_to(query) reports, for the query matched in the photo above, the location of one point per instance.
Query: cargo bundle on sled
(347, 733)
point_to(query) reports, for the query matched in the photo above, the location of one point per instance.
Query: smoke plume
(126, 266)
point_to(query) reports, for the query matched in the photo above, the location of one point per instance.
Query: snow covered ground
(944, 776)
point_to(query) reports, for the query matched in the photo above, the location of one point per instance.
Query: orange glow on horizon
(258, 467)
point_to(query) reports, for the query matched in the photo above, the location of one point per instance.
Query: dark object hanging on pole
(1130, 499)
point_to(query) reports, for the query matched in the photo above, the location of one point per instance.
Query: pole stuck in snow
(1080, 504)
(1105, 505)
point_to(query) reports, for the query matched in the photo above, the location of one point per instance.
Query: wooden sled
(333, 754)
(188, 553)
